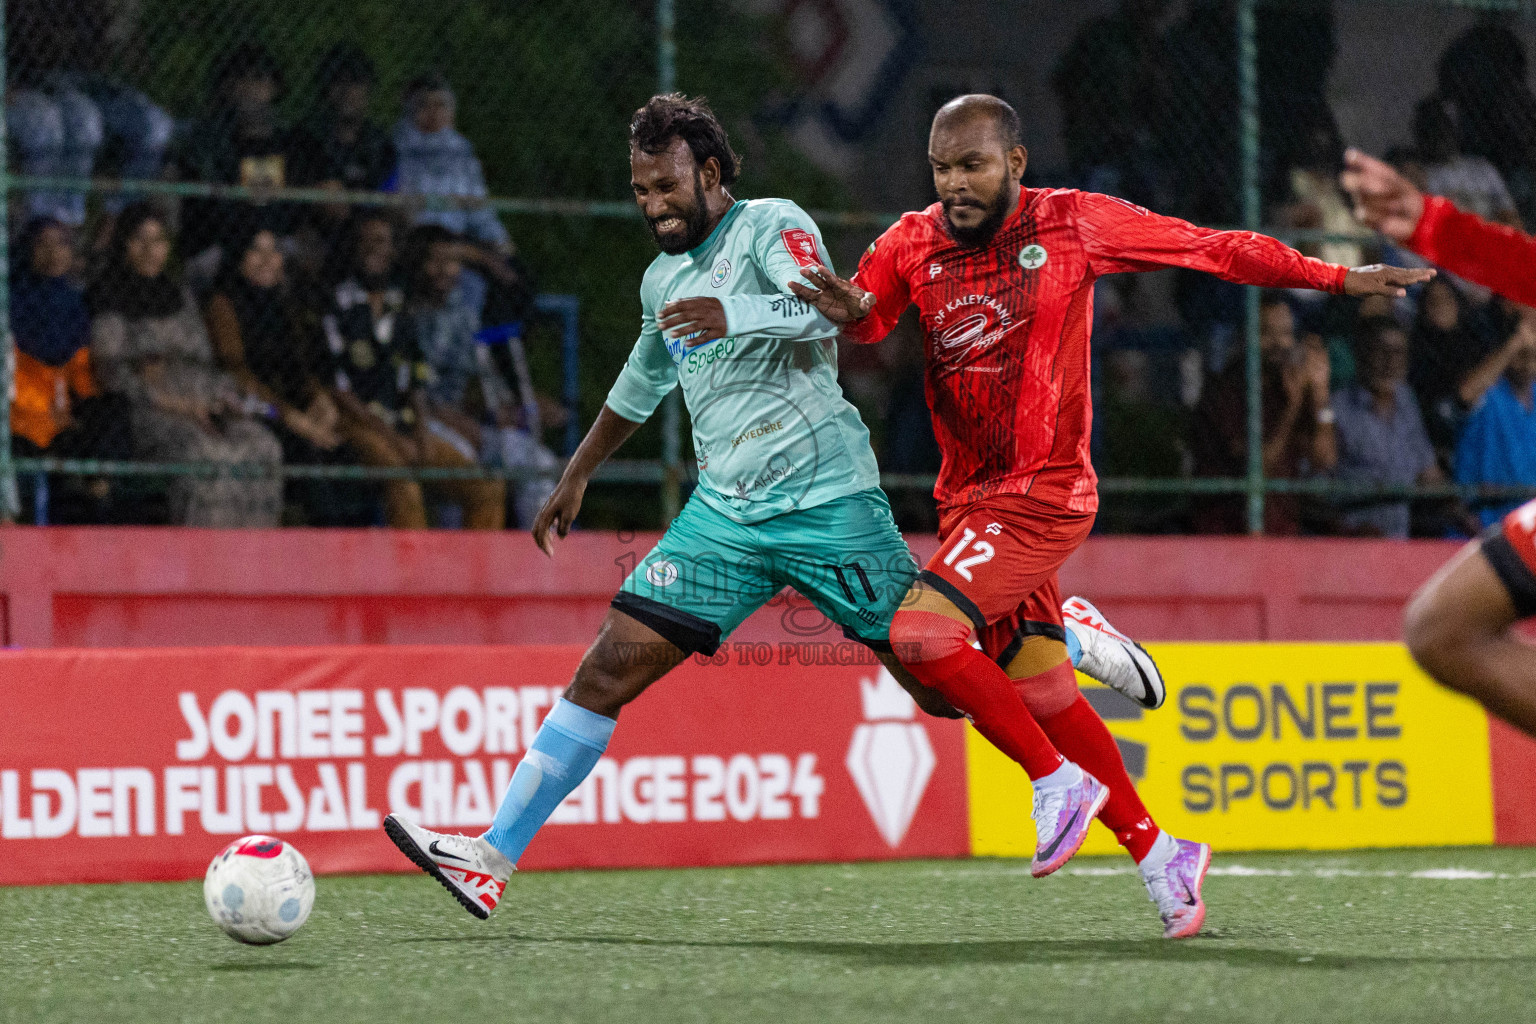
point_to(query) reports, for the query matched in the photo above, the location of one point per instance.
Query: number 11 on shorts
(983, 553)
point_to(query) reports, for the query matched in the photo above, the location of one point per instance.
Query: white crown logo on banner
(890, 759)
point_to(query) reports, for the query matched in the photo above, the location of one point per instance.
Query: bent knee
(919, 635)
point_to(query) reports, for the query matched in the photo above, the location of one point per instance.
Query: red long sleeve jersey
(1006, 327)
(1494, 256)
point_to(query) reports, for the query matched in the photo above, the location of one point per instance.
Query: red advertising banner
(140, 764)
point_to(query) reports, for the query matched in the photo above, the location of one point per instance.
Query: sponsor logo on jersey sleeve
(801, 245)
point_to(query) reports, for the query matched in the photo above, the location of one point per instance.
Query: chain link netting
(350, 263)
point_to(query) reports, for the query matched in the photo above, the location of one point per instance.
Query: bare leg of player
(626, 657)
(1458, 628)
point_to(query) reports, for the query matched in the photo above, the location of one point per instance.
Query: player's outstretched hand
(1379, 279)
(559, 511)
(837, 299)
(702, 318)
(1384, 199)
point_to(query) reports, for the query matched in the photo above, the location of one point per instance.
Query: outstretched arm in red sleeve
(1496, 257)
(1120, 237)
(868, 306)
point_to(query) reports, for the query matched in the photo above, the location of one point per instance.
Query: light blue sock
(563, 753)
(1074, 649)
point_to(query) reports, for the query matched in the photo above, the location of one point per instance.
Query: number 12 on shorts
(983, 553)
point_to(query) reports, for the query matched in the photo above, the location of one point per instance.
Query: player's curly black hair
(674, 116)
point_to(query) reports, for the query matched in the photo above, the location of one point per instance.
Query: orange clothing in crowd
(40, 410)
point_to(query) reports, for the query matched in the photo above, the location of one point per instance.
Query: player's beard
(695, 224)
(979, 235)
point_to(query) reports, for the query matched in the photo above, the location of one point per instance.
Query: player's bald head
(979, 111)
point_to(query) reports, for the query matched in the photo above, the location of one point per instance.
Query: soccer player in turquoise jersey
(788, 491)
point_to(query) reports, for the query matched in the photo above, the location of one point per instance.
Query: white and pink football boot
(470, 868)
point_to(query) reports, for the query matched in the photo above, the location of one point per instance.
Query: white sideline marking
(1244, 871)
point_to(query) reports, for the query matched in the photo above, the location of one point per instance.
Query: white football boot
(1111, 657)
(473, 870)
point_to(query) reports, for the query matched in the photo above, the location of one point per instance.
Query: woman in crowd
(58, 410)
(264, 340)
(149, 345)
(378, 376)
(260, 340)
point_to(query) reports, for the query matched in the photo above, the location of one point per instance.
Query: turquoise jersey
(771, 429)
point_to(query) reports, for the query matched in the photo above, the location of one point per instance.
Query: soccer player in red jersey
(1458, 624)
(1003, 278)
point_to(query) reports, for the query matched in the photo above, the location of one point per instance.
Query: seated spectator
(1442, 350)
(1498, 444)
(149, 345)
(1298, 433)
(1381, 437)
(1471, 182)
(57, 409)
(241, 142)
(377, 376)
(63, 112)
(1316, 200)
(435, 160)
(260, 341)
(338, 147)
(500, 428)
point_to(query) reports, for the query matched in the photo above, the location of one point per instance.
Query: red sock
(973, 683)
(1080, 734)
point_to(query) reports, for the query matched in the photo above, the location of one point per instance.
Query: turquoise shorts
(710, 572)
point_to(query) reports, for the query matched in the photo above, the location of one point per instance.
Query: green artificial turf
(1353, 937)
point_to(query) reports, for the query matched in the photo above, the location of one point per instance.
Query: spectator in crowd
(1381, 436)
(1113, 88)
(486, 421)
(1442, 351)
(1471, 182)
(1316, 201)
(1297, 431)
(1483, 74)
(435, 160)
(241, 142)
(63, 111)
(1498, 443)
(338, 147)
(57, 408)
(378, 380)
(149, 345)
(260, 340)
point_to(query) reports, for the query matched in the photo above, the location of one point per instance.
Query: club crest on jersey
(661, 574)
(801, 244)
(1032, 257)
(721, 273)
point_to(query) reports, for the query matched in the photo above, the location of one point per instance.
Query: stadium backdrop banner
(140, 764)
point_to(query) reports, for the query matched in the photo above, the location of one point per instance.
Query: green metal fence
(580, 67)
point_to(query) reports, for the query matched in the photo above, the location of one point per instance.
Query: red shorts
(997, 562)
(1510, 548)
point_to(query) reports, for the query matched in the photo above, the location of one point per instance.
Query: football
(259, 890)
